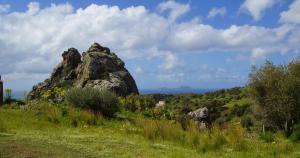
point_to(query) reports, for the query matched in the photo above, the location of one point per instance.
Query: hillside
(35, 133)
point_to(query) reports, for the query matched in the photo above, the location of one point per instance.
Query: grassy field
(26, 133)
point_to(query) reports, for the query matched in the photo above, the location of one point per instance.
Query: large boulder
(99, 68)
(201, 117)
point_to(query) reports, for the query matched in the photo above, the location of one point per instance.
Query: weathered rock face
(99, 68)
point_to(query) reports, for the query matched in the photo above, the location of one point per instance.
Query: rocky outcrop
(201, 117)
(99, 68)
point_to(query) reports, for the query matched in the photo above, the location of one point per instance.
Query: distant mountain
(163, 90)
(183, 89)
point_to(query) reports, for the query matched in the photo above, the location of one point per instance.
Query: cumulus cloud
(256, 8)
(217, 11)
(38, 36)
(171, 61)
(32, 41)
(292, 15)
(198, 37)
(176, 9)
(4, 8)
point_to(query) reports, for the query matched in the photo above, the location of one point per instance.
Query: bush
(246, 122)
(103, 101)
(295, 136)
(237, 110)
(55, 95)
(135, 102)
(267, 136)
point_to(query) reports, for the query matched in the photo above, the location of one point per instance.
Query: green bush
(103, 101)
(246, 121)
(135, 102)
(295, 136)
(267, 136)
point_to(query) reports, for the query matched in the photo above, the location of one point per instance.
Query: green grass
(32, 134)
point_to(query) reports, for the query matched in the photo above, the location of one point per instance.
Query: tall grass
(77, 117)
(60, 114)
(3, 126)
(164, 130)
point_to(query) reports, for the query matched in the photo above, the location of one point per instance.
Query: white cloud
(31, 42)
(4, 8)
(256, 8)
(39, 36)
(217, 11)
(176, 9)
(171, 61)
(292, 15)
(198, 37)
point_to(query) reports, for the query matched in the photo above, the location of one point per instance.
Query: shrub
(135, 102)
(237, 110)
(103, 101)
(246, 122)
(295, 136)
(55, 95)
(267, 136)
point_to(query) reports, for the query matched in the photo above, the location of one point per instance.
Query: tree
(277, 90)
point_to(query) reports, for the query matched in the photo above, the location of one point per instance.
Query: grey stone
(201, 117)
(97, 67)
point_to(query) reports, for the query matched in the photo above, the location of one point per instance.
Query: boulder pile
(98, 67)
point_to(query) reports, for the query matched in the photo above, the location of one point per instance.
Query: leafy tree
(277, 90)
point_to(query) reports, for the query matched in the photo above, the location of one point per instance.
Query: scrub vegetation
(258, 120)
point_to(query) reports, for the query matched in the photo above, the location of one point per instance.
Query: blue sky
(201, 44)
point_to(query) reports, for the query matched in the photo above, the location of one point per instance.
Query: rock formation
(201, 117)
(99, 68)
